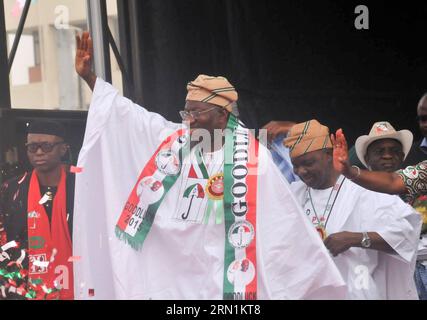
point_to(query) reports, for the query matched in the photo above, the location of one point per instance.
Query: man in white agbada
(152, 222)
(372, 236)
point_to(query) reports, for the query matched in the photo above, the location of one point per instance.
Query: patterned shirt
(415, 179)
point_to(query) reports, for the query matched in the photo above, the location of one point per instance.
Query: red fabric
(3, 237)
(45, 238)
(251, 290)
(192, 173)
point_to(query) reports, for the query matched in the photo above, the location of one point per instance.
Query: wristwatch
(366, 241)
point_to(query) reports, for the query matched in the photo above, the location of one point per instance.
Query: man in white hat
(373, 237)
(384, 149)
(410, 181)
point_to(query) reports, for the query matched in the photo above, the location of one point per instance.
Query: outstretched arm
(275, 128)
(384, 182)
(84, 56)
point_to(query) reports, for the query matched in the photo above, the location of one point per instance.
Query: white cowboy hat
(383, 130)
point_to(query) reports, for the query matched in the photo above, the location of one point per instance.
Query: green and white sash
(238, 203)
(154, 182)
(240, 199)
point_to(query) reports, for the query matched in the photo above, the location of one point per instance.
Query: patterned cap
(215, 90)
(307, 137)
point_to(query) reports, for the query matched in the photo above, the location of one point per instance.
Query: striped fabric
(215, 90)
(307, 137)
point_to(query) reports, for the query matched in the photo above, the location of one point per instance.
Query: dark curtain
(289, 60)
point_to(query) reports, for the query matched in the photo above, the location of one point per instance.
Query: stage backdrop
(289, 60)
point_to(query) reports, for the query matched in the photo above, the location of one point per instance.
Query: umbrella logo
(195, 191)
(167, 162)
(241, 234)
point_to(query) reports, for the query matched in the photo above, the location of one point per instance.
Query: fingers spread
(333, 139)
(78, 42)
(85, 38)
(85, 35)
(90, 45)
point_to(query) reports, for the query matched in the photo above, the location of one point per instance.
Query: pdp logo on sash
(241, 234)
(167, 162)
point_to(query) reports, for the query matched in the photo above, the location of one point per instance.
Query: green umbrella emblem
(194, 191)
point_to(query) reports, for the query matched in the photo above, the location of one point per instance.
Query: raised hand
(340, 154)
(84, 57)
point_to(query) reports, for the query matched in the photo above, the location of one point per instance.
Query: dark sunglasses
(421, 118)
(45, 146)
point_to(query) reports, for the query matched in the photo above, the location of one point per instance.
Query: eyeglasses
(193, 114)
(45, 146)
